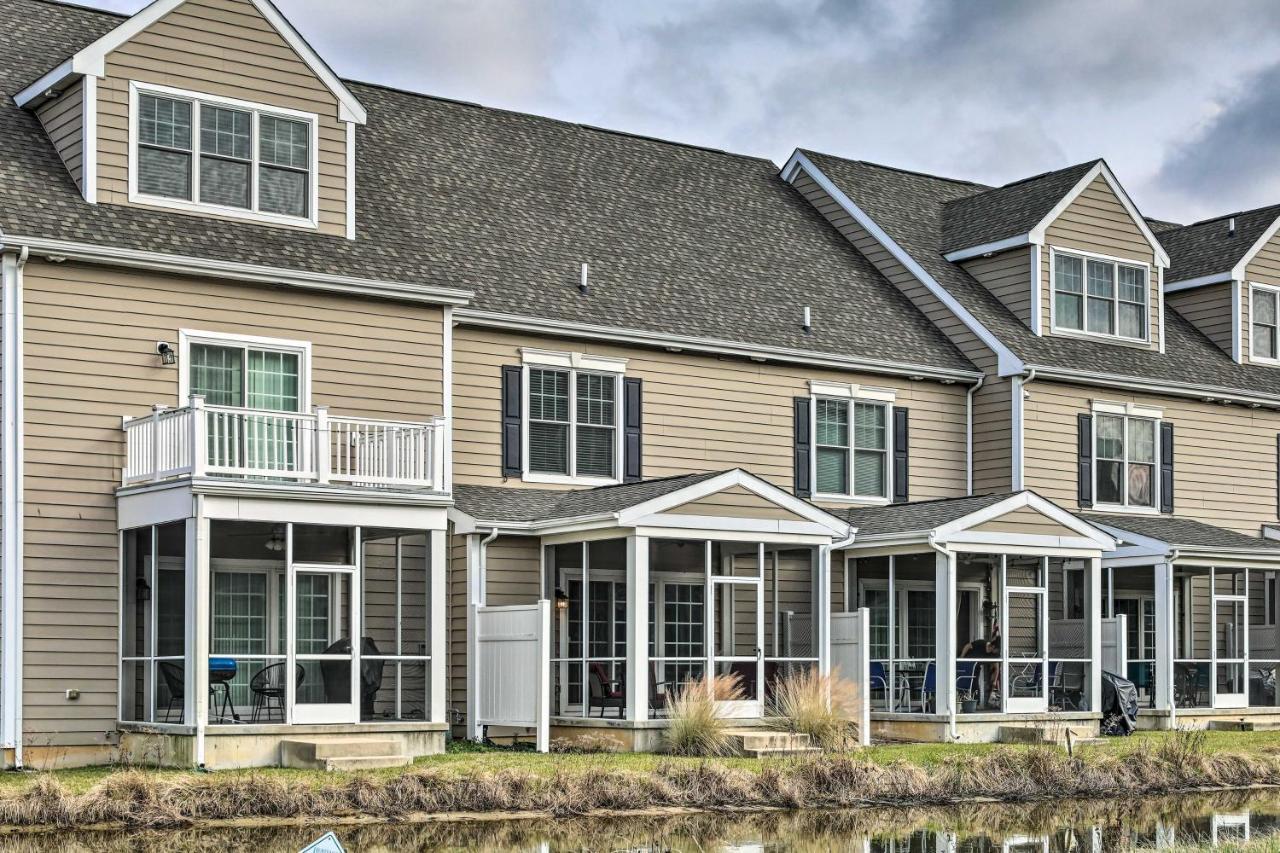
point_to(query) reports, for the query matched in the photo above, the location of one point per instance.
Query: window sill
(1134, 343)
(847, 499)
(143, 200)
(1116, 509)
(565, 480)
(1263, 360)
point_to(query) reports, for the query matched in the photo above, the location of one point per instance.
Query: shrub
(817, 705)
(695, 726)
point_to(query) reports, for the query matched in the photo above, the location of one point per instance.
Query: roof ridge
(85, 8)
(899, 169)
(1219, 218)
(1049, 172)
(665, 479)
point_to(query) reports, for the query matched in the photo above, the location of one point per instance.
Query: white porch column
(439, 635)
(1165, 650)
(1093, 610)
(201, 600)
(823, 558)
(945, 632)
(475, 598)
(638, 628)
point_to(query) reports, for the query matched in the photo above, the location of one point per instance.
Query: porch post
(1165, 650)
(945, 633)
(475, 599)
(823, 559)
(1093, 611)
(637, 677)
(201, 593)
(439, 633)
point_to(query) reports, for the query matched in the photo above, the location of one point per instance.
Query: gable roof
(910, 207)
(1208, 248)
(1182, 532)
(681, 241)
(1001, 212)
(918, 516)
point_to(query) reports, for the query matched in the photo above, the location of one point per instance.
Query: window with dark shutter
(1166, 466)
(632, 425)
(802, 447)
(901, 455)
(512, 407)
(1084, 459)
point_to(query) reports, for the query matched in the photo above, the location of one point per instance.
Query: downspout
(968, 432)
(13, 511)
(952, 731)
(1020, 384)
(475, 599)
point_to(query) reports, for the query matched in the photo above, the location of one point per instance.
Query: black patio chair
(268, 688)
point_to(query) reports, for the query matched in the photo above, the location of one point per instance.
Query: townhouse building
(339, 420)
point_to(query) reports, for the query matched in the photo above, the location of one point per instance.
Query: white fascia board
(1238, 271)
(1199, 281)
(33, 95)
(716, 346)
(1176, 389)
(186, 265)
(1101, 168)
(959, 529)
(1131, 544)
(988, 248)
(712, 524)
(1007, 363)
(1025, 540)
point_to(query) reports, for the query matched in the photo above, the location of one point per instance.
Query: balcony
(216, 441)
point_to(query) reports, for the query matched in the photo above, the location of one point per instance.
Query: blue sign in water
(327, 843)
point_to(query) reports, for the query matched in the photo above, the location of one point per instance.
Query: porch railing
(218, 441)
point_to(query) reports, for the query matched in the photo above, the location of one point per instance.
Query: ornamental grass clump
(695, 725)
(817, 705)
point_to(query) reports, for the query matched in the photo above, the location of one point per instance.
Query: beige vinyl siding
(1027, 521)
(993, 434)
(702, 413)
(1230, 484)
(1096, 221)
(220, 48)
(1263, 269)
(736, 502)
(63, 120)
(1209, 310)
(1009, 275)
(90, 359)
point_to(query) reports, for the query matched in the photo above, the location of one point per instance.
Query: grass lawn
(465, 759)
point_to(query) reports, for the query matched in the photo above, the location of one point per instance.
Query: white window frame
(1116, 262)
(852, 393)
(256, 110)
(572, 363)
(1128, 411)
(1253, 354)
(302, 349)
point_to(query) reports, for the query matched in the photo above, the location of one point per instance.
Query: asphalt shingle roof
(680, 240)
(1182, 532)
(918, 516)
(517, 505)
(910, 207)
(1209, 248)
(1006, 211)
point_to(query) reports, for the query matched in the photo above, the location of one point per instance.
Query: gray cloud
(991, 90)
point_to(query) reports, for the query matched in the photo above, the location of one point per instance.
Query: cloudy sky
(1181, 96)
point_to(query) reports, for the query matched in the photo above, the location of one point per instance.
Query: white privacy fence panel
(513, 667)
(1115, 657)
(851, 661)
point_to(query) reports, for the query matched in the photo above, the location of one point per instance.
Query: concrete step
(763, 741)
(781, 753)
(1244, 725)
(1050, 735)
(367, 762)
(347, 753)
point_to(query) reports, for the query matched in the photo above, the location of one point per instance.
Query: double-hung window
(1100, 296)
(573, 423)
(1125, 457)
(1264, 318)
(851, 448)
(223, 156)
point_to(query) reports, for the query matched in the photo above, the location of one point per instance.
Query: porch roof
(1174, 532)
(519, 505)
(921, 516)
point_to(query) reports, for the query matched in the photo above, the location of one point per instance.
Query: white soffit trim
(1238, 271)
(988, 248)
(1101, 168)
(1007, 362)
(1201, 281)
(1213, 392)
(92, 60)
(1237, 321)
(1108, 407)
(1037, 285)
(33, 95)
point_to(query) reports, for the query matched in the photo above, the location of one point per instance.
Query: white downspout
(1020, 384)
(11, 563)
(968, 433)
(1171, 559)
(475, 600)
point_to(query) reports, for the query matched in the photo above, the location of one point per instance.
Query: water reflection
(1057, 827)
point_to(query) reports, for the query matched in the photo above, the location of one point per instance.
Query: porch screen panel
(1132, 594)
(978, 652)
(395, 650)
(135, 670)
(153, 664)
(1025, 630)
(1070, 634)
(871, 580)
(589, 631)
(790, 621)
(915, 632)
(1193, 637)
(1264, 638)
(1231, 631)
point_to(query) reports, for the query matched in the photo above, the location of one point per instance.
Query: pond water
(1056, 827)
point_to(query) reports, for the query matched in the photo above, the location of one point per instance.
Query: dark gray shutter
(1166, 466)
(512, 420)
(1084, 459)
(632, 441)
(803, 447)
(901, 454)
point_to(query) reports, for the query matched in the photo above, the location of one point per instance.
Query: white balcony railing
(307, 448)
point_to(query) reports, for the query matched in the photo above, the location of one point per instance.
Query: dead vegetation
(136, 798)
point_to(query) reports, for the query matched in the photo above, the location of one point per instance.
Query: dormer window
(218, 155)
(1264, 318)
(1099, 296)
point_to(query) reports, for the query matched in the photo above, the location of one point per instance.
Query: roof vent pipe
(586, 275)
(808, 321)
(1231, 227)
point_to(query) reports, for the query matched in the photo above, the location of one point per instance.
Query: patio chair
(1026, 681)
(928, 687)
(267, 687)
(175, 683)
(604, 693)
(966, 680)
(879, 681)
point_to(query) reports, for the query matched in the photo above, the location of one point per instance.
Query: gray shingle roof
(1208, 247)
(680, 240)
(518, 505)
(918, 516)
(910, 208)
(1006, 211)
(1182, 532)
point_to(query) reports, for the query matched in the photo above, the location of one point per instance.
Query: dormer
(1067, 252)
(214, 108)
(1225, 280)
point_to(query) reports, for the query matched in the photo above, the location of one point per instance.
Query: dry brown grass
(696, 726)
(140, 799)
(814, 704)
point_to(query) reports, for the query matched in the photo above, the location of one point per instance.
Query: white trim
(1200, 281)
(187, 265)
(1159, 308)
(446, 394)
(1240, 270)
(1130, 383)
(1115, 300)
(1100, 168)
(256, 110)
(89, 140)
(554, 362)
(186, 337)
(957, 255)
(1007, 361)
(351, 180)
(1139, 413)
(1127, 409)
(1037, 286)
(856, 394)
(1254, 358)
(1029, 500)
(12, 501)
(33, 94)
(720, 524)
(573, 360)
(851, 391)
(1237, 323)
(1017, 402)
(716, 346)
(93, 58)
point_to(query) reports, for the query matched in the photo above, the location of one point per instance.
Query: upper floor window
(244, 372)
(573, 424)
(222, 156)
(851, 448)
(1099, 296)
(1263, 319)
(1125, 457)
